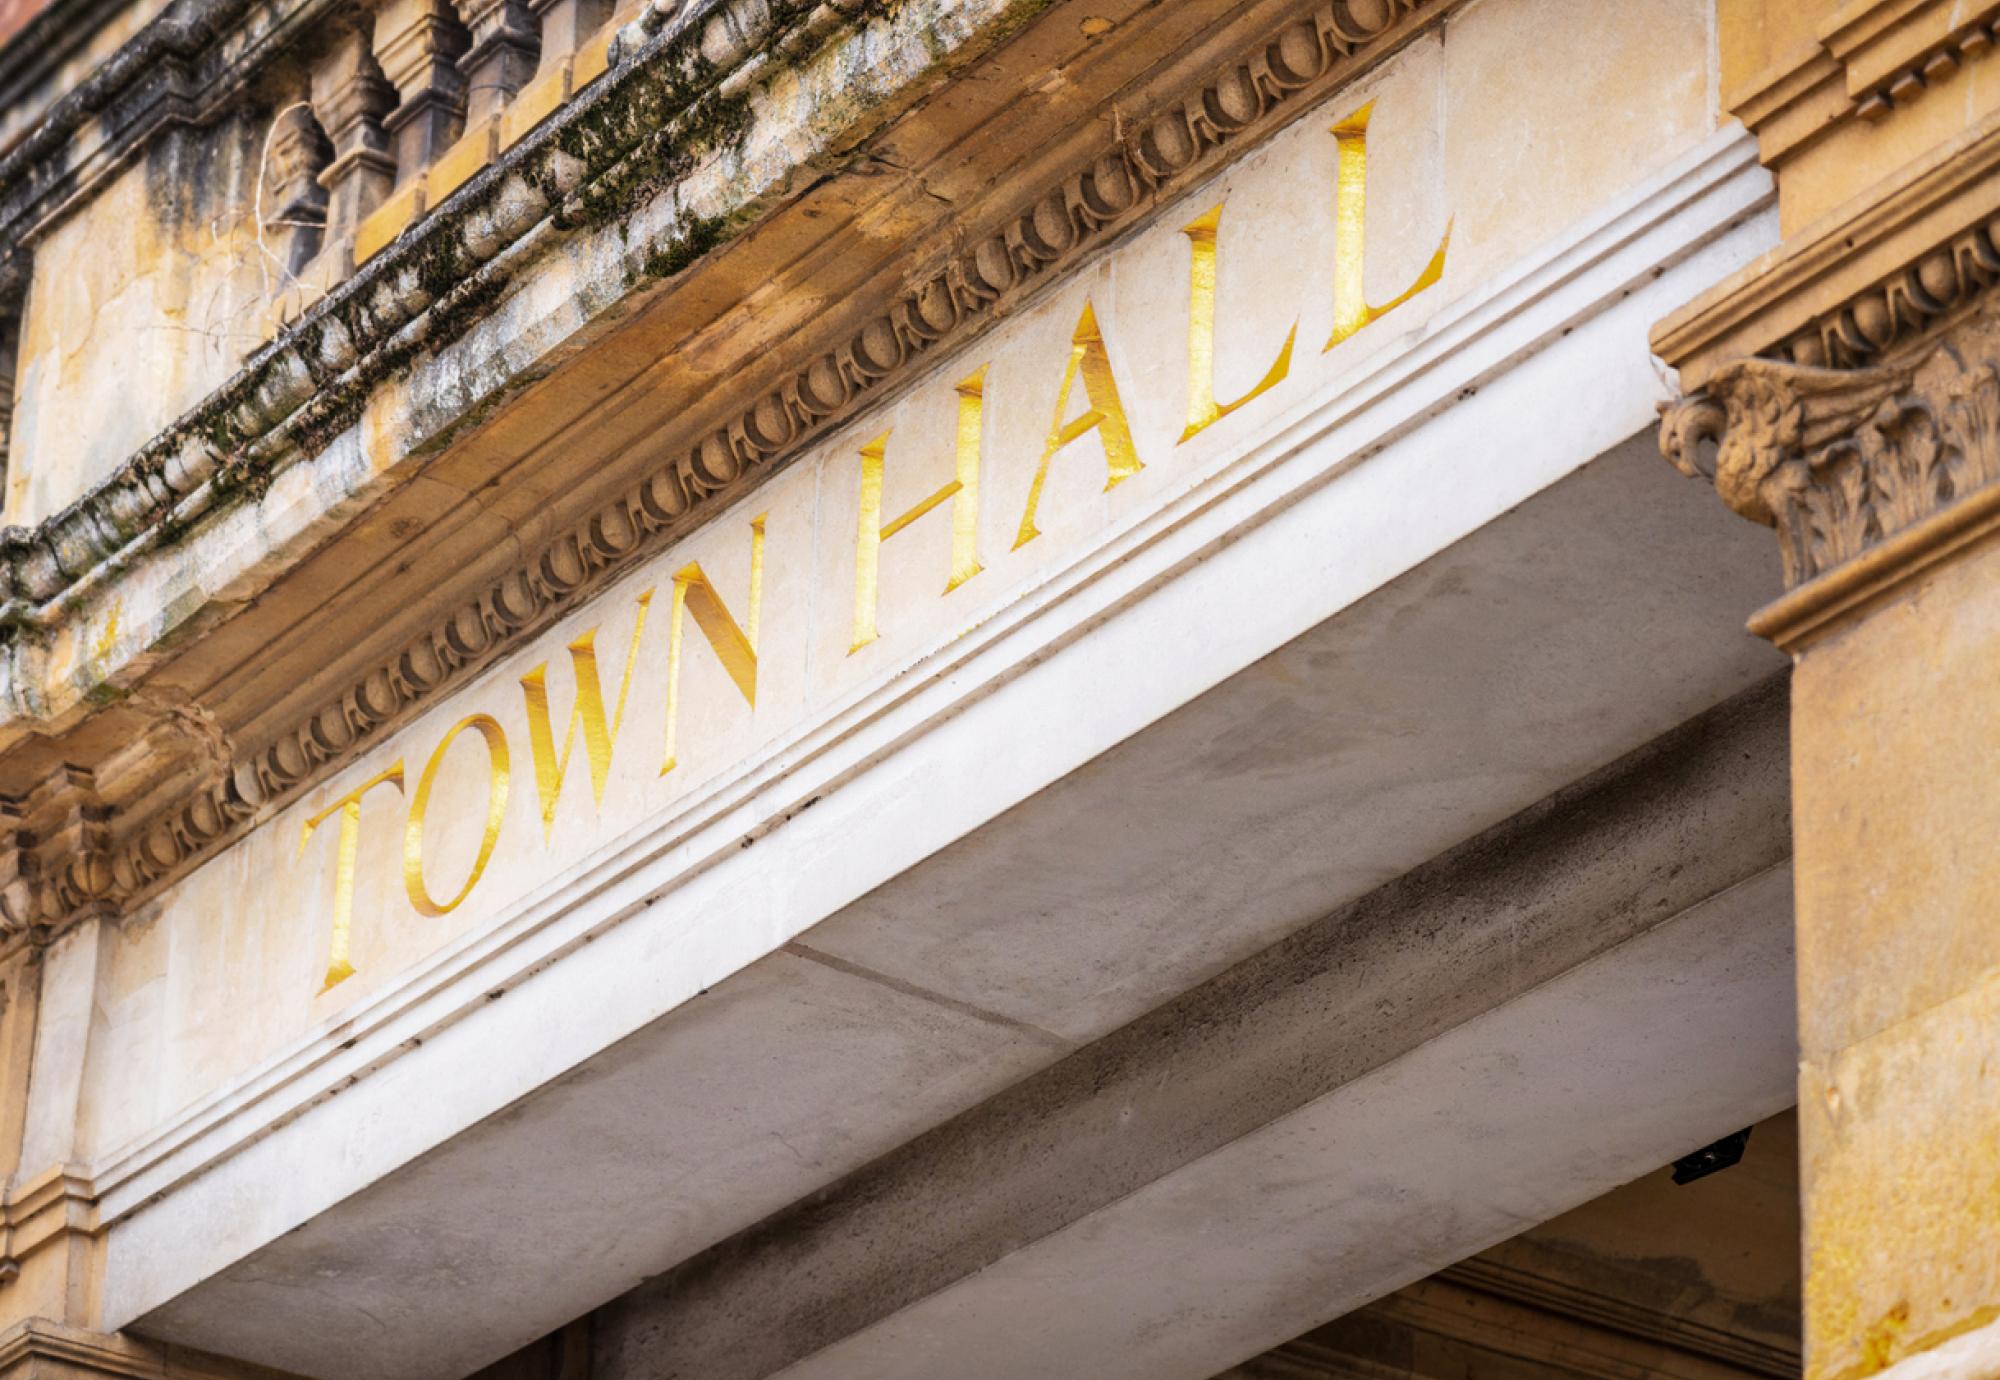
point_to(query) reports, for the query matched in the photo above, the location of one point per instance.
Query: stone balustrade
(408, 102)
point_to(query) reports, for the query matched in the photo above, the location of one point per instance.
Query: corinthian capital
(1834, 459)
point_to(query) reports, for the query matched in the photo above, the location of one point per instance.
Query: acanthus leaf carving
(1838, 460)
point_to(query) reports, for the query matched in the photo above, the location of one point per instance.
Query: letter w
(588, 708)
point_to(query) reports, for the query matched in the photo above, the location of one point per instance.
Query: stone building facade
(998, 688)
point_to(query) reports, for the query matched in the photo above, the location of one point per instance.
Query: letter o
(496, 809)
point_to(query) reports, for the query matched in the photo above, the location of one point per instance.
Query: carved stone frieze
(1839, 460)
(315, 367)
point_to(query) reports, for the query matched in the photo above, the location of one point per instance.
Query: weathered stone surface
(1075, 490)
(1848, 379)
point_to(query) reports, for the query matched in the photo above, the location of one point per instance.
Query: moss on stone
(642, 131)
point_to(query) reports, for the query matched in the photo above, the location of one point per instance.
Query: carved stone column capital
(1772, 436)
(1852, 467)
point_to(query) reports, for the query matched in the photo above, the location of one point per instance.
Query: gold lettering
(736, 650)
(963, 491)
(496, 811)
(1351, 311)
(1203, 410)
(1088, 357)
(588, 709)
(339, 965)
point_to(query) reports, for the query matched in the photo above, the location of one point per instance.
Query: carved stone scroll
(1840, 460)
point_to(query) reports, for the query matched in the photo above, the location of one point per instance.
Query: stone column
(1844, 389)
(49, 1208)
(1878, 465)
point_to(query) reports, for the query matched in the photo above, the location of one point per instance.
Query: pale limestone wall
(1516, 123)
(141, 302)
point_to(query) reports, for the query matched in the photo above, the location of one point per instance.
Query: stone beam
(663, 1007)
(1387, 1073)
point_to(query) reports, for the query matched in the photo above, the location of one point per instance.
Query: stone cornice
(58, 1203)
(1854, 285)
(299, 382)
(29, 1346)
(294, 394)
(32, 55)
(1865, 59)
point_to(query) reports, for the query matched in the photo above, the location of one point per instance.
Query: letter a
(1087, 357)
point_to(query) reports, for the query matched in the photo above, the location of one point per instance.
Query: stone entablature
(421, 289)
(184, 884)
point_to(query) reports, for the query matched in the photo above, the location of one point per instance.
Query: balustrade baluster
(505, 44)
(419, 44)
(566, 24)
(295, 201)
(350, 96)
